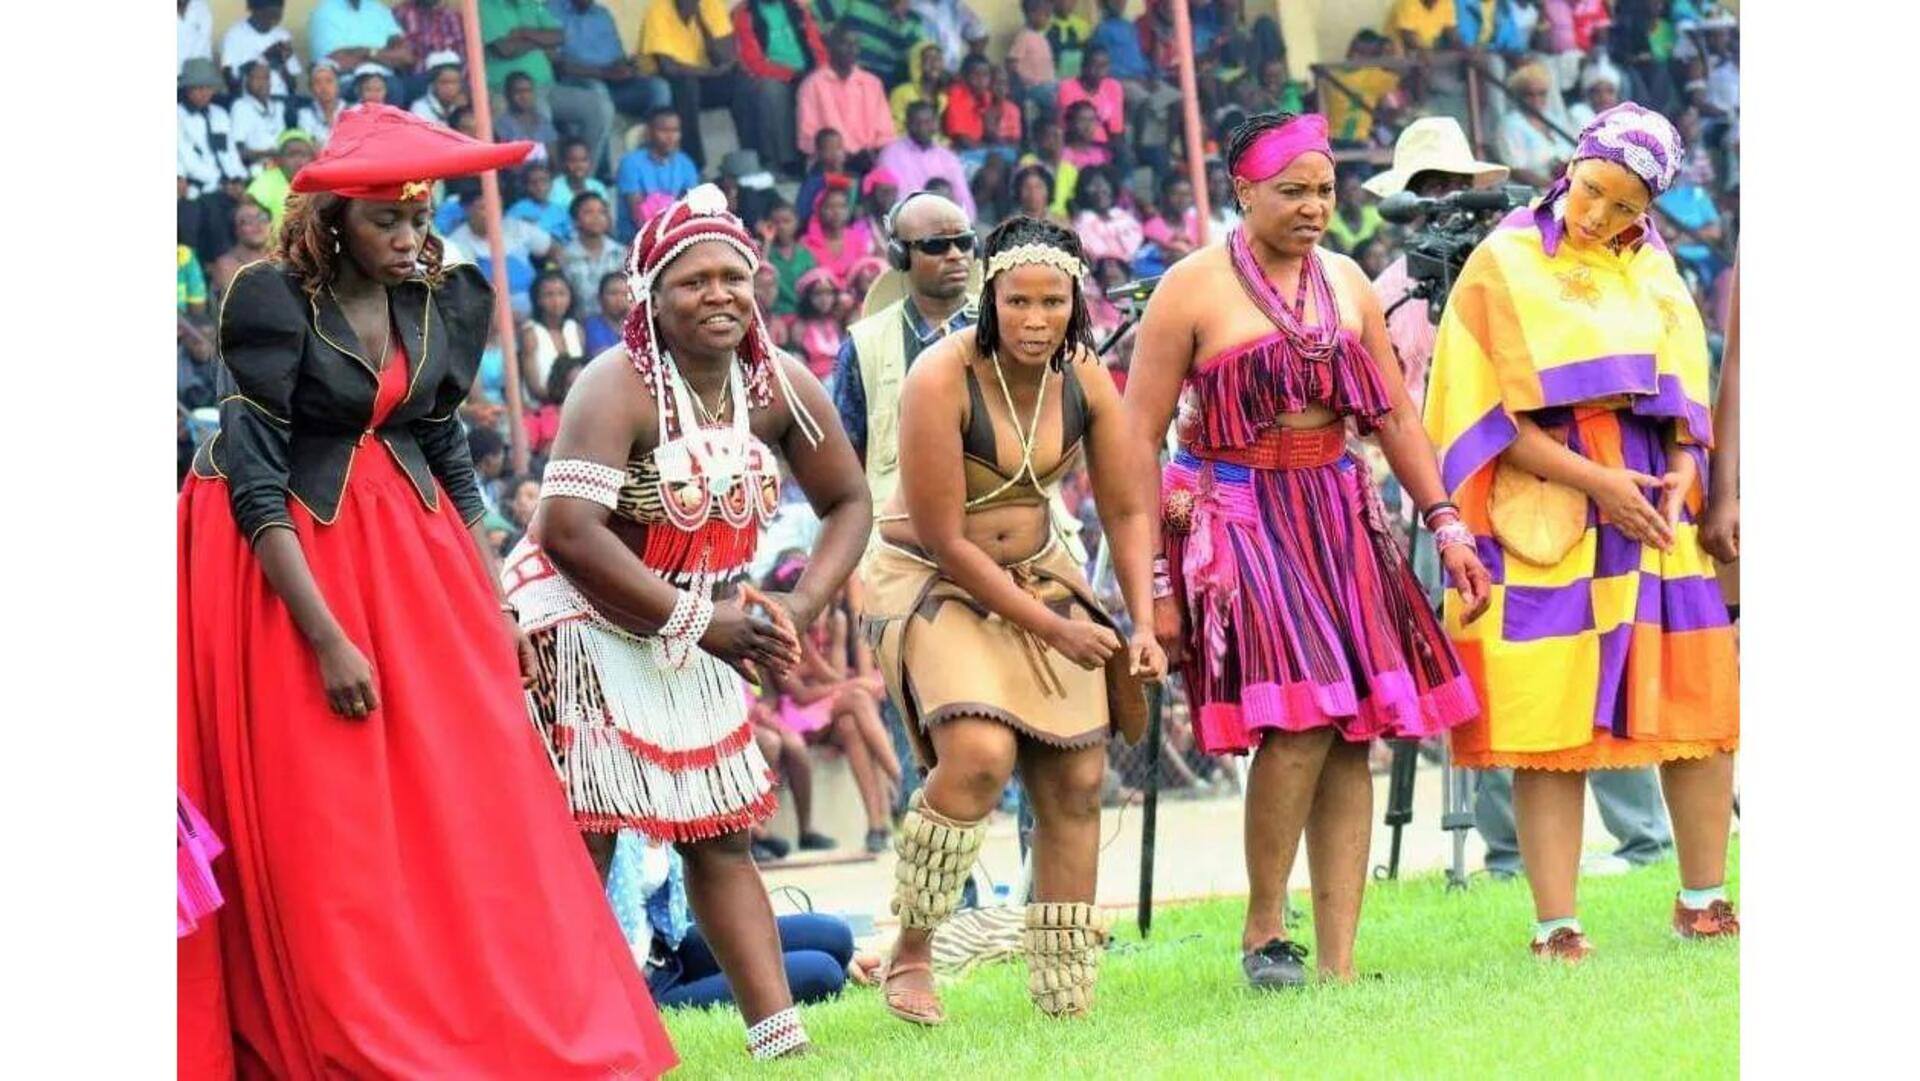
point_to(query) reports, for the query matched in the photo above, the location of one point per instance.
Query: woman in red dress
(404, 893)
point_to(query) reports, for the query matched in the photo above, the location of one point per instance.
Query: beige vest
(879, 341)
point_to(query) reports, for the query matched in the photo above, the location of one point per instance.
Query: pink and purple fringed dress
(1301, 610)
(199, 894)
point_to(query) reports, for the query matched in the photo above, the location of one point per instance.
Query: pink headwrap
(1276, 148)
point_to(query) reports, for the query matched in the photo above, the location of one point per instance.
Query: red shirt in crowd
(753, 52)
(986, 119)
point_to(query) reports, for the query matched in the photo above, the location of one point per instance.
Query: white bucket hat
(1433, 143)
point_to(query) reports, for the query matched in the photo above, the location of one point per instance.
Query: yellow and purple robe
(1620, 654)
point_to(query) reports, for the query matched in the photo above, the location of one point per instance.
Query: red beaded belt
(1283, 448)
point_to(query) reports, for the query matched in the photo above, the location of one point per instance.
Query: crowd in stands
(840, 107)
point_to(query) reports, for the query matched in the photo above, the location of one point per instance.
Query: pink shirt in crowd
(1031, 58)
(1159, 231)
(1086, 157)
(1558, 15)
(1115, 236)
(1109, 104)
(855, 106)
(1407, 329)
(915, 165)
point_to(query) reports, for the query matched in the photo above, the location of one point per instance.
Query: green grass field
(1461, 998)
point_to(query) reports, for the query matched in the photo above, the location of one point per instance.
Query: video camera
(1453, 226)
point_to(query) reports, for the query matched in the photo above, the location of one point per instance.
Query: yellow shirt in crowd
(662, 32)
(1426, 22)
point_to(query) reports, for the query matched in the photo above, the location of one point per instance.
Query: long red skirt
(406, 894)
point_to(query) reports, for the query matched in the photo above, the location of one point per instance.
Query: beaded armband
(581, 479)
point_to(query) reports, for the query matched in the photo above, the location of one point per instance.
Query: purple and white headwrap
(1638, 139)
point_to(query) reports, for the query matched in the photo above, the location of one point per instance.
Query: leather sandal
(911, 1003)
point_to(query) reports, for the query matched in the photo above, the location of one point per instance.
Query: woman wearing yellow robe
(1569, 402)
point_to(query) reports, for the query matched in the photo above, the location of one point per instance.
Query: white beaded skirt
(639, 742)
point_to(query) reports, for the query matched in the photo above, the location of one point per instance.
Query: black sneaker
(1276, 964)
(762, 852)
(879, 841)
(816, 842)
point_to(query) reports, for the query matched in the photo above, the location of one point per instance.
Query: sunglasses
(939, 245)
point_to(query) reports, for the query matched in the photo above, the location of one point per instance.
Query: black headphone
(899, 255)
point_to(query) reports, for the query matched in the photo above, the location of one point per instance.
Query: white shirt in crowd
(518, 236)
(196, 33)
(243, 44)
(206, 151)
(1723, 86)
(427, 107)
(257, 125)
(313, 123)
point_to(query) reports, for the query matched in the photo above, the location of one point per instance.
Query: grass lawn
(1461, 998)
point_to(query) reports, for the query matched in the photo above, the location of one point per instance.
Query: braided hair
(1241, 138)
(1012, 233)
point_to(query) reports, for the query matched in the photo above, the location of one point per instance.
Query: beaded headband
(1043, 254)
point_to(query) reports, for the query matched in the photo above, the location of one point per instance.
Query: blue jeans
(817, 948)
(1629, 799)
(1630, 807)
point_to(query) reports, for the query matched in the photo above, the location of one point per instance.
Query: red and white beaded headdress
(700, 215)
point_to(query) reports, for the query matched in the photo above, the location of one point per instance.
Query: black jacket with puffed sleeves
(297, 394)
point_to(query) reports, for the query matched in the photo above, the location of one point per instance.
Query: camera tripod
(1456, 808)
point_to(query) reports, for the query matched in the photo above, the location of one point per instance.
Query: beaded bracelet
(1451, 535)
(1437, 509)
(776, 1034)
(687, 624)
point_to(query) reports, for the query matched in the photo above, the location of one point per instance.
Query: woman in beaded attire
(969, 565)
(632, 579)
(403, 894)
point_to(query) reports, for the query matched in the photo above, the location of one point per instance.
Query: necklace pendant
(688, 494)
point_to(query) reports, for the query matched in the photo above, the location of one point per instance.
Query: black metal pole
(1150, 808)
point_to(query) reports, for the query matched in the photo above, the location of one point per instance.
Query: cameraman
(1431, 159)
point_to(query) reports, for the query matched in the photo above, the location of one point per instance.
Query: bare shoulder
(611, 371)
(1202, 265)
(1186, 285)
(1343, 268)
(1095, 378)
(1350, 282)
(609, 390)
(943, 365)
